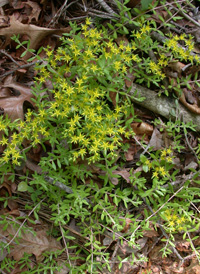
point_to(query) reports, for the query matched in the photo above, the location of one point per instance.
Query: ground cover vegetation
(104, 186)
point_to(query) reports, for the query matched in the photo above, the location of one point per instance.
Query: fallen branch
(162, 105)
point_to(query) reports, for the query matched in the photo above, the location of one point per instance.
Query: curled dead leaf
(142, 128)
(193, 108)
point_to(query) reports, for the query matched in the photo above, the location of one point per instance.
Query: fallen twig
(20, 67)
(162, 105)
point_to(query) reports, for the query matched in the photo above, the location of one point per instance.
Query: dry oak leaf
(142, 128)
(29, 242)
(13, 104)
(36, 9)
(30, 9)
(35, 33)
(193, 108)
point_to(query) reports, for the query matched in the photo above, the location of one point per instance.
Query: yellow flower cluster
(176, 221)
(158, 166)
(173, 44)
(83, 72)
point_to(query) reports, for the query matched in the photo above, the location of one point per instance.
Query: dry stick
(195, 207)
(187, 16)
(193, 247)
(58, 14)
(102, 15)
(64, 239)
(100, 12)
(9, 56)
(114, 254)
(23, 223)
(92, 251)
(20, 67)
(162, 105)
(106, 7)
(60, 11)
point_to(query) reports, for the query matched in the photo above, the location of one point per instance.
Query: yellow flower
(82, 152)
(56, 113)
(127, 134)
(98, 35)
(169, 160)
(4, 140)
(169, 151)
(43, 130)
(138, 35)
(75, 155)
(85, 142)
(81, 137)
(12, 150)
(88, 21)
(53, 63)
(14, 136)
(174, 217)
(76, 118)
(153, 67)
(95, 42)
(15, 162)
(116, 140)
(49, 52)
(124, 69)
(163, 153)
(74, 139)
(58, 57)
(179, 221)
(110, 131)
(86, 33)
(97, 142)
(128, 48)
(112, 146)
(172, 43)
(89, 53)
(105, 145)
(127, 59)
(155, 174)
(133, 46)
(183, 219)
(42, 113)
(117, 65)
(41, 79)
(121, 130)
(7, 153)
(84, 27)
(108, 55)
(67, 58)
(162, 171)
(5, 159)
(16, 155)
(182, 36)
(94, 68)
(134, 57)
(109, 44)
(172, 223)
(94, 149)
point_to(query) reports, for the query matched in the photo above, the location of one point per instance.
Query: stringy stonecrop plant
(77, 117)
(84, 71)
